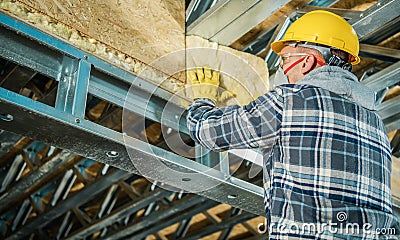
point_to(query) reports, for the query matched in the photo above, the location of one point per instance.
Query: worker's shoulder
(305, 92)
(286, 89)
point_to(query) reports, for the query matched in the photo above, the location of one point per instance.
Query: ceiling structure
(63, 173)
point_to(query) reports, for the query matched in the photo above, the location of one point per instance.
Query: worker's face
(296, 64)
(288, 56)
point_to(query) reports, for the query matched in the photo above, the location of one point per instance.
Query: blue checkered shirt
(327, 160)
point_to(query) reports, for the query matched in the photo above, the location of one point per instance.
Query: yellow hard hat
(322, 27)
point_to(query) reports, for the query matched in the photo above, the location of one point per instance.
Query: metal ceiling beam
(12, 151)
(43, 120)
(115, 91)
(393, 123)
(196, 8)
(323, 2)
(109, 201)
(153, 223)
(85, 194)
(121, 213)
(389, 111)
(218, 17)
(17, 78)
(345, 13)
(65, 226)
(190, 9)
(230, 222)
(272, 58)
(13, 174)
(380, 53)
(379, 18)
(33, 55)
(383, 17)
(389, 108)
(7, 141)
(63, 187)
(228, 229)
(228, 20)
(379, 81)
(384, 78)
(34, 181)
(183, 228)
(73, 86)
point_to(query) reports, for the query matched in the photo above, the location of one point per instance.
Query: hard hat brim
(277, 46)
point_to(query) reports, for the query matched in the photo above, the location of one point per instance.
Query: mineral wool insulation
(243, 74)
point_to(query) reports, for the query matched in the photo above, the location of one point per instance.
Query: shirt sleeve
(252, 126)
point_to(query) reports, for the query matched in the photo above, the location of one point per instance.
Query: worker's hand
(205, 83)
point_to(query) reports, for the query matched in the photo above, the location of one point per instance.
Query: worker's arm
(252, 126)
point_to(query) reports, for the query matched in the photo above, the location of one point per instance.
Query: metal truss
(113, 204)
(48, 189)
(228, 20)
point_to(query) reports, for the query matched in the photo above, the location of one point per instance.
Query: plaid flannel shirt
(327, 160)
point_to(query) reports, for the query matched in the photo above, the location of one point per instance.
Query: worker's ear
(308, 64)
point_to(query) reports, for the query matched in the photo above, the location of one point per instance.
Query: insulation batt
(243, 74)
(77, 39)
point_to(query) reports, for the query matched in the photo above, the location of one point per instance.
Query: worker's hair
(332, 56)
(341, 54)
(310, 50)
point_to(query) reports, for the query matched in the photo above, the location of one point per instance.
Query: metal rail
(49, 56)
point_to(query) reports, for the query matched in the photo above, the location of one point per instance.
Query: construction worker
(327, 157)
